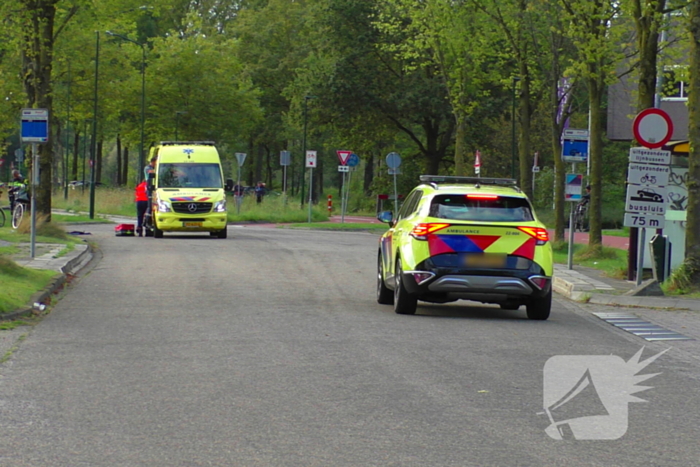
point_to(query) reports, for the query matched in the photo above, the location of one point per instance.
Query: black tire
(2, 217)
(157, 233)
(539, 308)
(404, 302)
(385, 296)
(222, 233)
(17, 214)
(510, 306)
(148, 232)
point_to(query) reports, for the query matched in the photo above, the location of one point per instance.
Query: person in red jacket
(141, 206)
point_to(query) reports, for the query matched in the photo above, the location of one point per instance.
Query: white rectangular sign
(343, 168)
(285, 158)
(310, 159)
(651, 200)
(650, 156)
(575, 134)
(644, 220)
(648, 174)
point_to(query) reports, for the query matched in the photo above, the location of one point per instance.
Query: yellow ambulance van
(187, 190)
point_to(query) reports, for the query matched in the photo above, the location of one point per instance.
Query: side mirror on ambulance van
(229, 184)
(151, 182)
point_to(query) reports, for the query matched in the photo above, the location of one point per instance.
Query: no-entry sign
(652, 128)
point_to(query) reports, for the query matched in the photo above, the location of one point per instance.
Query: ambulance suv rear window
(481, 208)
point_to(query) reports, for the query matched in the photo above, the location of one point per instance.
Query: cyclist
(581, 210)
(16, 185)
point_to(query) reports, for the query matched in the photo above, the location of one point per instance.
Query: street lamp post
(67, 152)
(143, 98)
(512, 159)
(93, 146)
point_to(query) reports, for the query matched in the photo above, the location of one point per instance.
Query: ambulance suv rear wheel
(539, 308)
(384, 295)
(404, 302)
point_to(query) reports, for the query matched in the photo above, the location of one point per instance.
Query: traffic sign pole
(311, 190)
(342, 200)
(311, 164)
(35, 186)
(34, 129)
(393, 160)
(347, 193)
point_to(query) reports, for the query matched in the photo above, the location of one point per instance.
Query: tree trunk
(76, 153)
(369, 174)
(118, 181)
(57, 160)
(37, 61)
(559, 168)
(692, 226)
(98, 162)
(460, 146)
(125, 167)
(318, 182)
(595, 153)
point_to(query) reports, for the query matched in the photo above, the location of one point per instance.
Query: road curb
(76, 259)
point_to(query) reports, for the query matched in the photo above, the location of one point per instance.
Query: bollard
(330, 203)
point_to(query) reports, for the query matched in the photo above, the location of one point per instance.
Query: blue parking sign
(34, 127)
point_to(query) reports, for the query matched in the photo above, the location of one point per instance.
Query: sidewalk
(590, 285)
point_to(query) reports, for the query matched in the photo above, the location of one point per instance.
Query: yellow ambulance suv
(466, 238)
(187, 190)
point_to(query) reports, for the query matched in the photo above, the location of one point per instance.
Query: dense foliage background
(434, 81)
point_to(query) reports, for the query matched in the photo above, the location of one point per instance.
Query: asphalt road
(269, 349)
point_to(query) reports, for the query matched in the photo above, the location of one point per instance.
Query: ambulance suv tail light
(421, 231)
(539, 281)
(540, 234)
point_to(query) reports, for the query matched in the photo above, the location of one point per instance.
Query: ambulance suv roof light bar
(476, 181)
(187, 143)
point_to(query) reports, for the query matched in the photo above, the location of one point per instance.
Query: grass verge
(612, 261)
(18, 284)
(78, 219)
(379, 228)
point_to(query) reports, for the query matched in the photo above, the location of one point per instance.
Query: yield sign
(343, 156)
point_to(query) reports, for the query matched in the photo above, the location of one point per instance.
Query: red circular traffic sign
(652, 128)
